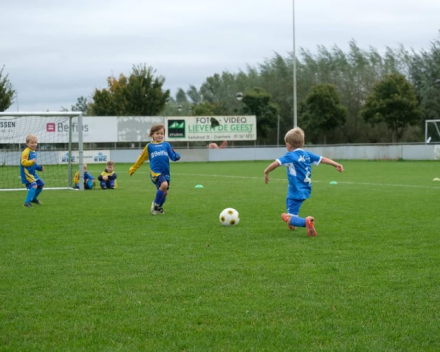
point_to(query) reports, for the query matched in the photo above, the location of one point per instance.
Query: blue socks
(160, 197)
(297, 221)
(32, 193)
(37, 192)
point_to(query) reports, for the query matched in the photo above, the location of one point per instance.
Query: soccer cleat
(36, 201)
(27, 205)
(310, 225)
(160, 211)
(154, 209)
(286, 218)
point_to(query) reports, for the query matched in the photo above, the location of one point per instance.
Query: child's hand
(105, 178)
(266, 178)
(339, 167)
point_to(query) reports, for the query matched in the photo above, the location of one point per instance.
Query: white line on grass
(314, 181)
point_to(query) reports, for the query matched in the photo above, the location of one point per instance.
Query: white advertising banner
(53, 129)
(112, 129)
(89, 157)
(211, 128)
(136, 128)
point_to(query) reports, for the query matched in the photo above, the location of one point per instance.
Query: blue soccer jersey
(159, 155)
(299, 172)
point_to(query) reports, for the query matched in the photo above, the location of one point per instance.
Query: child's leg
(32, 188)
(159, 196)
(40, 185)
(161, 193)
(293, 219)
(293, 207)
(37, 192)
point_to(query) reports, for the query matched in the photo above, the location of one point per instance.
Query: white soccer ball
(229, 217)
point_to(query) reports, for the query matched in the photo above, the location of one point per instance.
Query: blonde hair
(295, 137)
(156, 127)
(30, 136)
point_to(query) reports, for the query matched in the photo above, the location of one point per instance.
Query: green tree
(82, 104)
(322, 111)
(258, 102)
(394, 102)
(140, 94)
(424, 72)
(6, 91)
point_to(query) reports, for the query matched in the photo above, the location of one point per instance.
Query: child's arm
(174, 156)
(140, 160)
(331, 162)
(25, 159)
(270, 168)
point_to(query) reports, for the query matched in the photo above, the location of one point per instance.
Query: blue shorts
(293, 206)
(38, 183)
(160, 179)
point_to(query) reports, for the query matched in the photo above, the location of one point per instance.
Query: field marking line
(315, 181)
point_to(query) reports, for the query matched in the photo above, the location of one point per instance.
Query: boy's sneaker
(152, 209)
(310, 225)
(27, 205)
(286, 218)
(155, 209)
(36, 201)
(160, 211)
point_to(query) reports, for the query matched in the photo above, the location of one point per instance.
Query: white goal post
(60, 147)
(432, 131)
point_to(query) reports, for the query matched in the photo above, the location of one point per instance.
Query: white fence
(337, 152)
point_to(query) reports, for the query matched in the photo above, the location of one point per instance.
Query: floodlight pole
(295, 117)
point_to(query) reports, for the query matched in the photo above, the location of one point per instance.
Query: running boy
(159, 153)
(28, 166)
(108, 177)
(299, 172)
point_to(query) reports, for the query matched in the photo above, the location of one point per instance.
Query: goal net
(432, 131)
(59, 150)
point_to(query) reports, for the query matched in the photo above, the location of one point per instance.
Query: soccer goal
(432, 131)
(60, 147)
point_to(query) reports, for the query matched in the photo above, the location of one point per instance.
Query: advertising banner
(136, 128)
(211, 128)
(53, 129)
(89, 157)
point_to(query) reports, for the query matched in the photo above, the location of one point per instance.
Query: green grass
(94, 271)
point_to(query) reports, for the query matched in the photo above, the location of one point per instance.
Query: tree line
(358, 96)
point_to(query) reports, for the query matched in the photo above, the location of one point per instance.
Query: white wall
(337, 152)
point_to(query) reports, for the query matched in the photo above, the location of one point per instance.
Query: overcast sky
(55, 51)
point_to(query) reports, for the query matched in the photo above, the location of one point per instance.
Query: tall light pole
(239, 97)
(295, 117)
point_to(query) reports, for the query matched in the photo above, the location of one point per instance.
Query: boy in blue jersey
(28, 166)
(299, 172)
(159, 153)
(89, 180)
(108, 177)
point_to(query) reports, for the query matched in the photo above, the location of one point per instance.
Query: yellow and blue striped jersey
(28, 166)
(159, 155)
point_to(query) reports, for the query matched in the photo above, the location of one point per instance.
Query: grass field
(94, 271)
